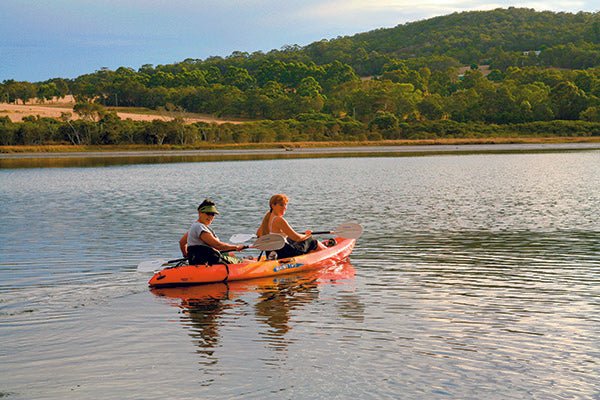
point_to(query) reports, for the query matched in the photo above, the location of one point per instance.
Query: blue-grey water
(477, 277)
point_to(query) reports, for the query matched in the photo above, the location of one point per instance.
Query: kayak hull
(197, 274)
(190, 295)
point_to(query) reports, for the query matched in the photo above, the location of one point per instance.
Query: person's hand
(240, 247)
(307, 234)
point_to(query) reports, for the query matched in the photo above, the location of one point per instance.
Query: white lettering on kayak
(287, 266)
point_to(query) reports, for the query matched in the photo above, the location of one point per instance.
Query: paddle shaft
(177, 260)
(349, 230)
(323, 233)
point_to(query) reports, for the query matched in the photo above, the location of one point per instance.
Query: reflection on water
(208, 308)
(47, 160)
(82, 161)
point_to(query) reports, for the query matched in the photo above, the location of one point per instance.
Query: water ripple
(477, 277)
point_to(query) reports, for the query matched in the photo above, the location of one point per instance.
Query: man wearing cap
(201, 245)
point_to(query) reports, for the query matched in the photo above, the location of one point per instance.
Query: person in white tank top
(274, 222)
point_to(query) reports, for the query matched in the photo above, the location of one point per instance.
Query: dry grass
(65, 148)
(16, 113)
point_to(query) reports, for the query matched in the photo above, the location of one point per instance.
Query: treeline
(285, 90)
(107, 129)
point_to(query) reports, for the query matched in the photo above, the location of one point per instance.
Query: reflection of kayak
(251, 269)
(228, 290)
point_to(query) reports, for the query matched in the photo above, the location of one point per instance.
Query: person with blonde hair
(274, 222)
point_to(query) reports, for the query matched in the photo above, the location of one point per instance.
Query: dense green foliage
(317, 127)
(388, 83)
(499, 37)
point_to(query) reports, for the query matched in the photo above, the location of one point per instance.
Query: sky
(43, 39)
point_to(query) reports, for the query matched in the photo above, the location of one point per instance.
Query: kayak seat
(198, 255)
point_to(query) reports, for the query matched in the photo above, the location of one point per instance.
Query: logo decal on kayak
(287, 266)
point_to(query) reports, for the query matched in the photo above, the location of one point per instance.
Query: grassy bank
(64, 148)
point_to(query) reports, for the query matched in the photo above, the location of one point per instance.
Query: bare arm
(259, 231)
(283, 226)
(213, 242)
(183, 244)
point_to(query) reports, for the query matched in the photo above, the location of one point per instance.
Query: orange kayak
(189, 295)
(252, 269)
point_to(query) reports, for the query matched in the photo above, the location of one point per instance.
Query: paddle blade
(349, 230)
(151, 266)
(272, 241)
(241, 238)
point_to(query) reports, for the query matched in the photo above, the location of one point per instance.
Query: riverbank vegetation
(288, 146)
(527, 74)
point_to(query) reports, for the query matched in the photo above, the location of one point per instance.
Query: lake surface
(477, 276)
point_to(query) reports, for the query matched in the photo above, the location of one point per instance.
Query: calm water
(478, 276)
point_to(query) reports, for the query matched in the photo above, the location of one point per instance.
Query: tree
(431, 107)
(238, 77)
(463, 105)
(23, 91)
(495, 75)
(499, 105)
(89, 111)
(47, 91)
(568, 101)
(8, 131)
(158, 131)
(535, 101)
(173, 114)
(69, 130)
(32, 131)
(308, 96)
(337, 73)
(62, 86)
(110, 128)
(383, 121)
(309, 87)
(591, 114)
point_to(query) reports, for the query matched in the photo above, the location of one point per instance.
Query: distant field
(16, 112)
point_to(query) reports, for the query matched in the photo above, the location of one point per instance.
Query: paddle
(241, 238)
(155, 265)
(268, 242)
(347, 230)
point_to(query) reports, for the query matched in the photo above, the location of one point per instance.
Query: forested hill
(472, 37)
(454, 75)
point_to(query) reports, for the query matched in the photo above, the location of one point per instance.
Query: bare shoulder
(278, 224)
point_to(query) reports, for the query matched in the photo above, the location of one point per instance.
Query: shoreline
(317, 151)
(307, 149)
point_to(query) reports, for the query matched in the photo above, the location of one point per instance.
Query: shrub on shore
(309, 128)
